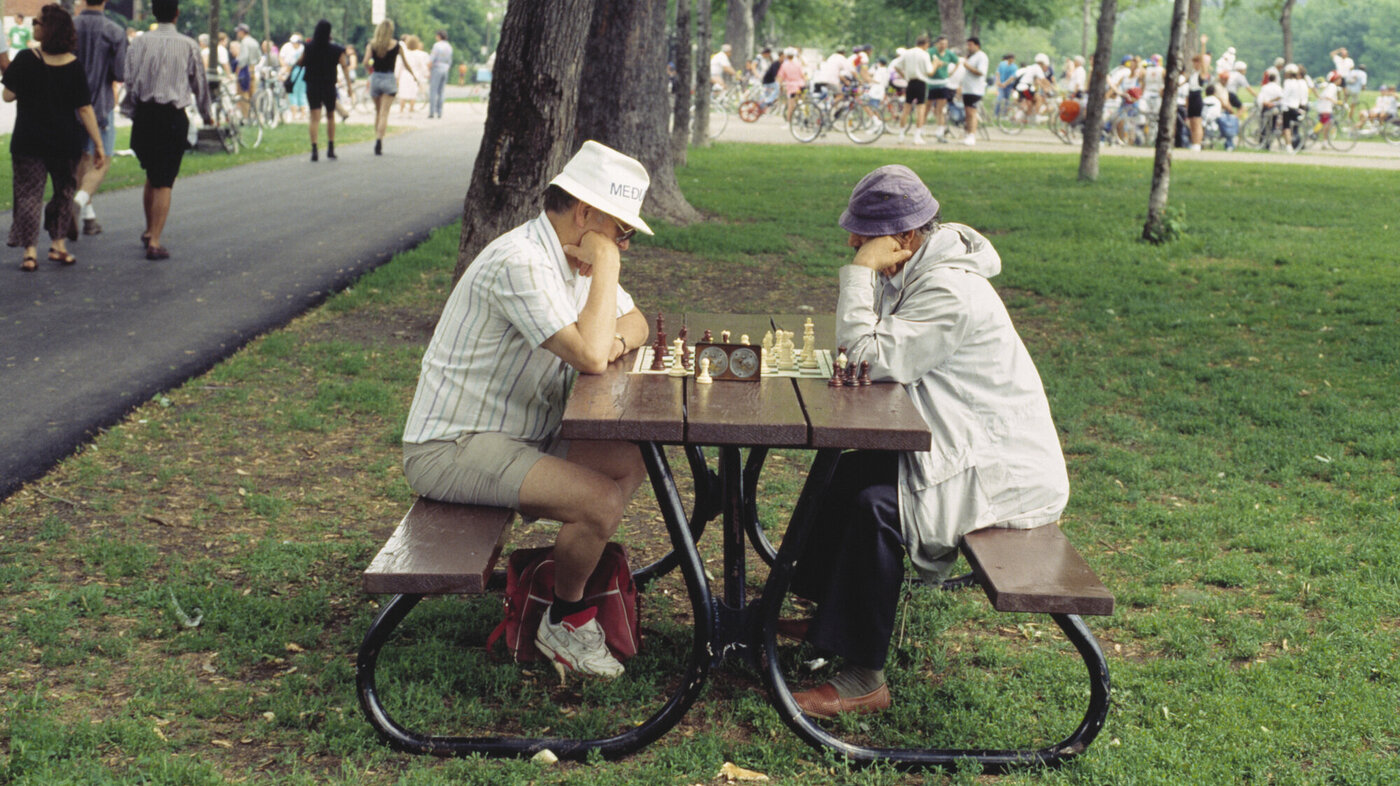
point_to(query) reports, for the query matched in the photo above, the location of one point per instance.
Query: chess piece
(835, 380)
(850, 380)
(707, 338)
(687, 357)
(786, 361)
(661, 333)
(724, 337)
(678, 359)
(704, 377)
(684, 334)
(744, 339)
(809, 345)
(766, 356)
(841, 360)
(658, 355)
(864, 378)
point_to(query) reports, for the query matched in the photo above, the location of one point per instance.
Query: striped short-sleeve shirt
(485, 370)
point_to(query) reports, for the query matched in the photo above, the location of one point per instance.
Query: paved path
(252, 247)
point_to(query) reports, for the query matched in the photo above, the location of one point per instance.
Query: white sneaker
(583, 648)
(969, 140)
(941, 132)
(918, 137)
(1195, 147)
(901, 135)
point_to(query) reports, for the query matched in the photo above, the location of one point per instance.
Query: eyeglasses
(624, 232)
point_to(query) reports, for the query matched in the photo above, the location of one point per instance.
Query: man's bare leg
(157, 212)
(587, 493)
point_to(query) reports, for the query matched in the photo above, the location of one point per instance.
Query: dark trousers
(853, 562)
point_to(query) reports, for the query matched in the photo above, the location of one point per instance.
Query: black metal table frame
(729, 627)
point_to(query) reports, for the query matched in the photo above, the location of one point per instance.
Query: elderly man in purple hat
(915, 302)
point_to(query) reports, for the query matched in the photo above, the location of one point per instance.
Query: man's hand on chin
(882, 255)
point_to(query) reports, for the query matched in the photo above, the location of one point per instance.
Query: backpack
(530, 590)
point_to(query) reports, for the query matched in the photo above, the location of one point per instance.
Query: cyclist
(1237, 81)
(1385, 108)
(1076, 78)
(769, 80)
(792, 79)
(834, 73)
(1032, 82)
(1295, 102)
(720, 67)
(914, 66)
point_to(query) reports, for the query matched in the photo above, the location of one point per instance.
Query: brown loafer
(822, 701)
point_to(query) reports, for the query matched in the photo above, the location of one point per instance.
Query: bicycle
(270, 101)
(1337, 132)
(225, 125)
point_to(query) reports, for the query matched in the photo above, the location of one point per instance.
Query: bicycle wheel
(806, 122)
(265, 105)
(1013, 121)
(1341, 135)
(1390, 130)
(1251, 136)
(750, 111)
(863, 124)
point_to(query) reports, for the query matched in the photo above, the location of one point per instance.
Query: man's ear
(580, 214)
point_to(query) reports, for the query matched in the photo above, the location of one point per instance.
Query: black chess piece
(850, 380)
(658, 355)
(708, 337)
(687, 357)
(864, 378)
(835, 380)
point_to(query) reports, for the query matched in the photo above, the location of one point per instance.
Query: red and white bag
(530, 590)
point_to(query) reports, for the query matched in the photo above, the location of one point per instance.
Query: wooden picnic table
(655, 410)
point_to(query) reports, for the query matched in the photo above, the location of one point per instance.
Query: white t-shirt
(1075, 80)
(1116, 77)
(1385, 105)
(1342, 65)
(880, 79)
(1272, 93)
(974, 84)
(719, 61)
(1236, 82)
(1154, 79)
(1295, 93)
(915, 64)
(833, 68)
(1028, 77)
(1327, 98)
(1210, 109)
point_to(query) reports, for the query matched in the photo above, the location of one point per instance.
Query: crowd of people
(64, 72)
(1212, 96)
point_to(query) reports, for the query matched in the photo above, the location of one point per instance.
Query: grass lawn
(182, 598)
(286, 140)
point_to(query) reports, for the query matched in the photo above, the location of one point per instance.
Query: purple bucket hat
(890, 200)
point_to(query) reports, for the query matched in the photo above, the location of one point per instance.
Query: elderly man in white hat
(538, 306)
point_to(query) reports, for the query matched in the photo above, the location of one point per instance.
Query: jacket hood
(954, 245)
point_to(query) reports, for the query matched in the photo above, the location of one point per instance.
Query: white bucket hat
(608, 180)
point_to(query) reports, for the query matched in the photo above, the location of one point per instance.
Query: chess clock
(731, 361)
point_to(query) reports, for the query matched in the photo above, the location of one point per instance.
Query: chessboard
(642, 365)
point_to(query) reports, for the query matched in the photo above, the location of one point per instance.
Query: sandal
(30, 263)
(61, 256)
(145, 240)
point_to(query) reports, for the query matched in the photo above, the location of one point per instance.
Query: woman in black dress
(49, 85)
(319, 62)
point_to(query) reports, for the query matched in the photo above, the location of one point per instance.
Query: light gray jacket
(939, 328)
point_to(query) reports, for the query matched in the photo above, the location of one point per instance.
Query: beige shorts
(478, 469)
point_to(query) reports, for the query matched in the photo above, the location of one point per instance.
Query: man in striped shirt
(538, 306)
(163, 71)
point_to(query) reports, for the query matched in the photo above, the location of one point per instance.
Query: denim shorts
(383, 83)
(107, 129)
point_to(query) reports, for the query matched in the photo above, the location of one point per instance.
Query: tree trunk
(685, 83)
(1084, 33)
(529, 133)
(1191, 44)
(1285, 21)
(760, 15)
(624, 76)
(1098, 86)
(952, 23)
(738, 33)
(1156, 230)
(213, 63)
(700, 107)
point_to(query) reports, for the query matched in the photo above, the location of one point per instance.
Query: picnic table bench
(441, 548)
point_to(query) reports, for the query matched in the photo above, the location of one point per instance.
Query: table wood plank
(872, 417)
(730, 412)
(618, 405)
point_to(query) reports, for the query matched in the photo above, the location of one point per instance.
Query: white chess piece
(767, 354)
(677, 358)
(841, 361)
(744, 339)
(704, 377)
